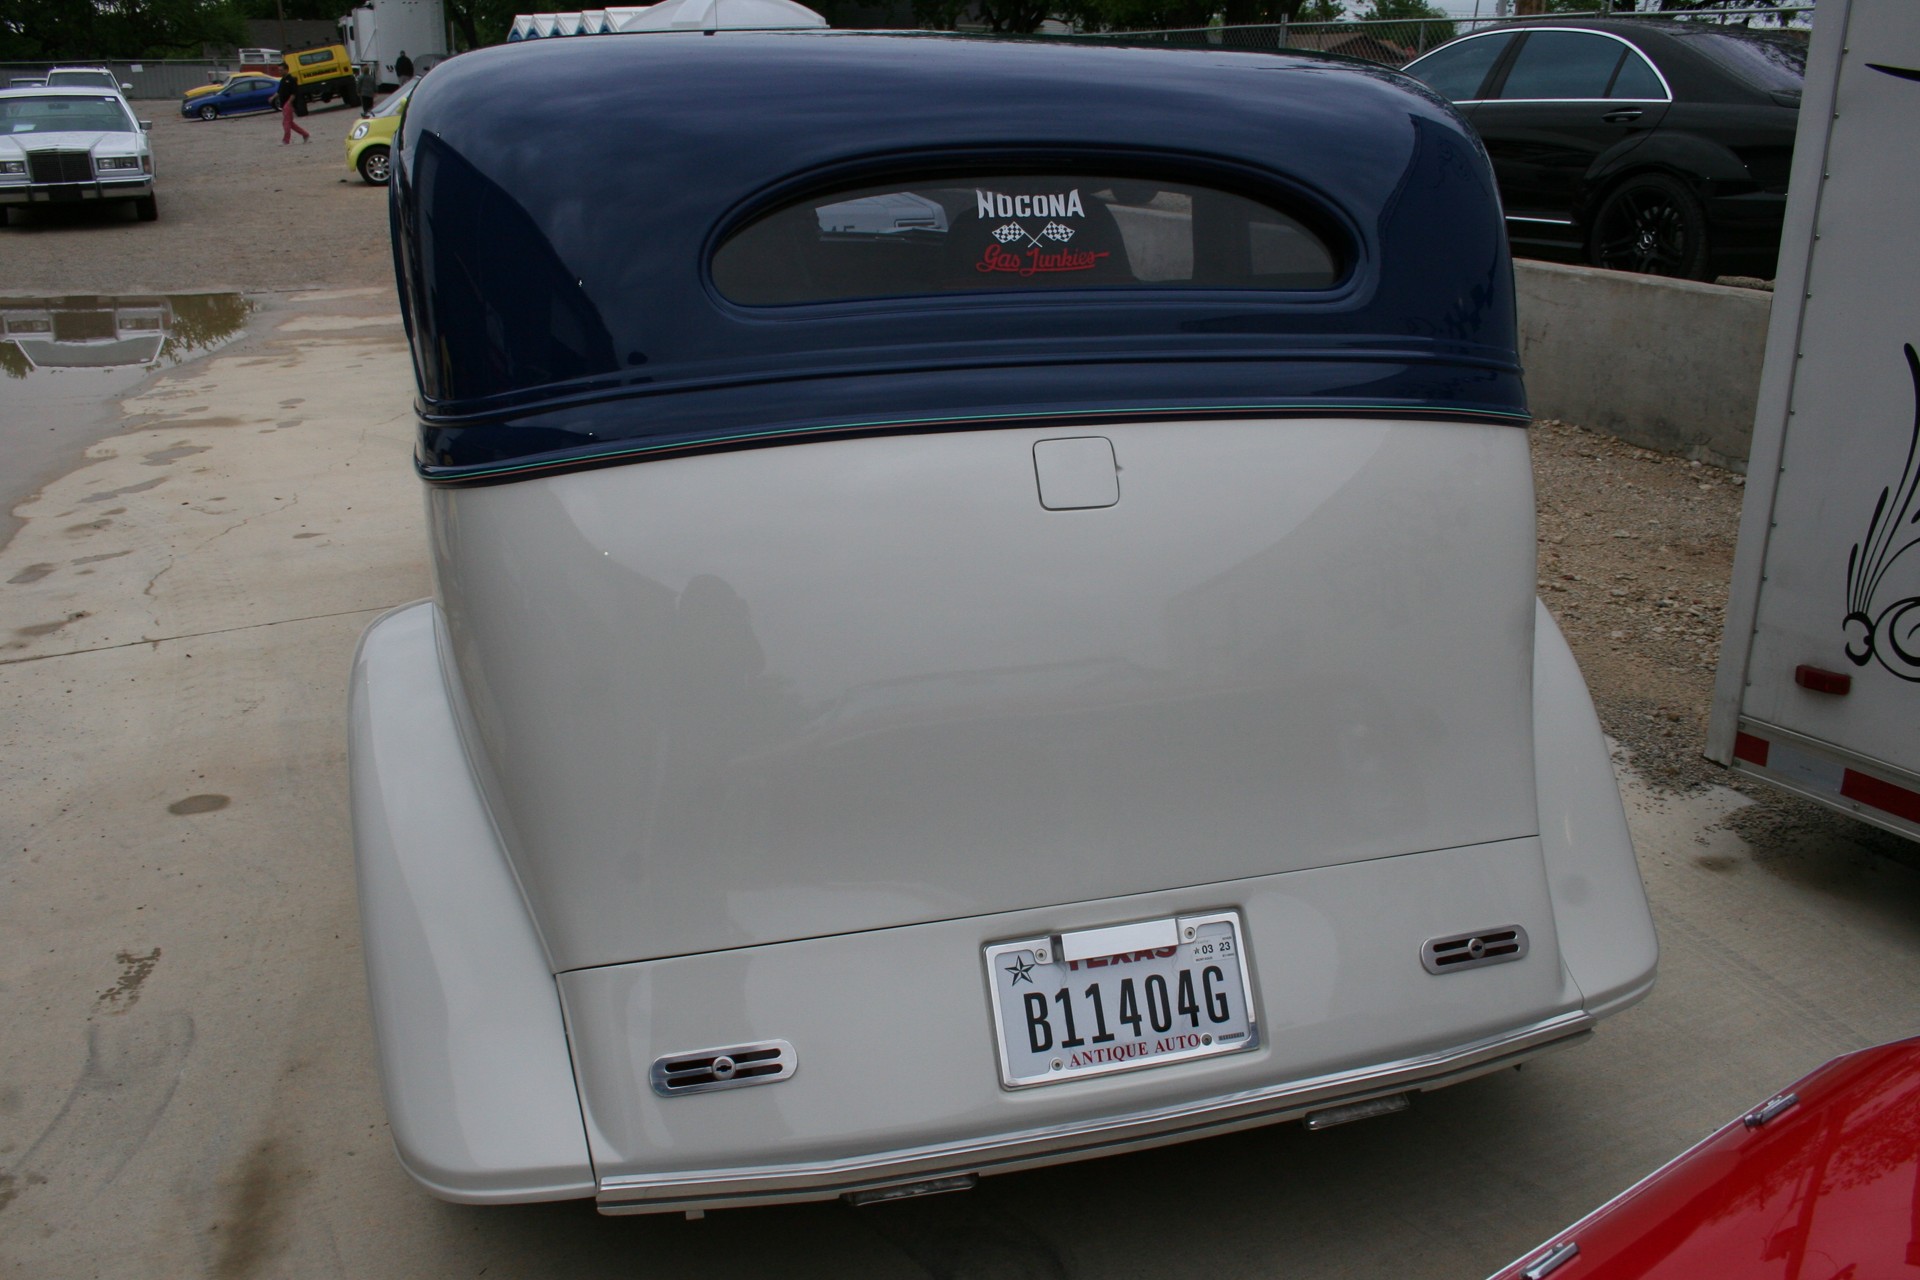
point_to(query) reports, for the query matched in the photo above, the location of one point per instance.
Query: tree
(1434, 28)
(295, 10)
(1007, 17)
(1700, 6)
(1157, 15)
(481, 22)
(58, 30)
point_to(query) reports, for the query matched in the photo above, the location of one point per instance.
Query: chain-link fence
(1396, 43)
(151, 79)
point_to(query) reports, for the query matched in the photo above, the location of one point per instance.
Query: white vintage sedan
(983, 616)
(71, 145)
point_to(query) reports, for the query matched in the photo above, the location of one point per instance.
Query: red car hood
(1823, 1187)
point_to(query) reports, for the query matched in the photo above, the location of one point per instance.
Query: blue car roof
(557, 206)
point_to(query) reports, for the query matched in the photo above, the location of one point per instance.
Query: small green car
(371, 137)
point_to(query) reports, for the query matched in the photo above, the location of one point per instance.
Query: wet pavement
(188, 1086)
(66, 362)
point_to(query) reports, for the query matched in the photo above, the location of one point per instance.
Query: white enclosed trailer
(378, 32)
(1819, 682)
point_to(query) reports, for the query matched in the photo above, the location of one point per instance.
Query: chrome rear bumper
(1006, 1153)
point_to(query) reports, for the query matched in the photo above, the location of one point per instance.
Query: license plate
(1121, 998)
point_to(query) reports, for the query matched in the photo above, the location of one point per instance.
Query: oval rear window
(1017, 233)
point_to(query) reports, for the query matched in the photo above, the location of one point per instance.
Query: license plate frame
(1088, 1036)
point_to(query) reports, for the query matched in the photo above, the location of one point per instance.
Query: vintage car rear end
(984, 616)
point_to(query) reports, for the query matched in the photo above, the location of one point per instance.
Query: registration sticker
(1121, 998)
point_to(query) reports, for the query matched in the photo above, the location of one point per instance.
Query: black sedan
(1660, 147)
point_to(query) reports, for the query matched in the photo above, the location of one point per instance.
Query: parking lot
(189, 1085)
(239, 212)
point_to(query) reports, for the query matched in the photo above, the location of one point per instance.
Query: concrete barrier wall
(1666, 364)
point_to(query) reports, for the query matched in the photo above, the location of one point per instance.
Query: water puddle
(42, 338)
(65, 362)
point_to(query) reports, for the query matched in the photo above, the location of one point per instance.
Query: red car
(1821, 1181)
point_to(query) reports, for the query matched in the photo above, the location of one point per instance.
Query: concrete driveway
(187, 1084)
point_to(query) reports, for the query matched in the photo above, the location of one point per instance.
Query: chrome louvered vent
(731, 1067)
(1474, 950)
(60, 166)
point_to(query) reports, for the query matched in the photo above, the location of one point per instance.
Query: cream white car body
(721, 750)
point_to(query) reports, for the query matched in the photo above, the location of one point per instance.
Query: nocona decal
(1022, 252)
(994, 205)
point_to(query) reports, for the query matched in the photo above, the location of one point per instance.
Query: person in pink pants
(289, 92)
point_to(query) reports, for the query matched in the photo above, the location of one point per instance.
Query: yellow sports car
(371, 137)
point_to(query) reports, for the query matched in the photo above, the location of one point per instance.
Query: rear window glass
(1017, 233)
(1562, 64)
(1767, 63)
(1637, 80)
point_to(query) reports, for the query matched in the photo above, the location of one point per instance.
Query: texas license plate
(1120, 998)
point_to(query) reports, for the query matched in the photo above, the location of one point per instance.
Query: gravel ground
(1636, 551)
(1636, 554)
(1636, 548)
(239, 213)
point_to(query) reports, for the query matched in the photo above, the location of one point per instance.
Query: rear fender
(1705, 166)
(1599, 903)
(473, 1054)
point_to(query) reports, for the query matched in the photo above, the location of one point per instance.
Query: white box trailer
(378, 32)
(1819, 681)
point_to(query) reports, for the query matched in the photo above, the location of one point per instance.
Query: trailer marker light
(1820, 680)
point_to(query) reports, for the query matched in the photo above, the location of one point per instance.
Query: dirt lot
(1636, 548)
(238, 212)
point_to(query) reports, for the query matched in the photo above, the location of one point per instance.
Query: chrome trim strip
(1112, 1135)
(1564, 102)
(1633, 48)
(1573, 102)
(1553, 222)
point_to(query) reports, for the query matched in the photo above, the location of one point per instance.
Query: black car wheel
(209, 113)
(147, 209)
(1653, 224)
(300, 106)
(375, 166)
